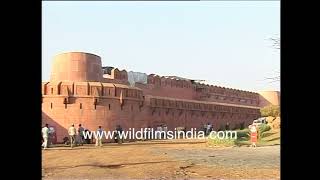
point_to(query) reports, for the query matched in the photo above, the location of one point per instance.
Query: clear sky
(224, 43)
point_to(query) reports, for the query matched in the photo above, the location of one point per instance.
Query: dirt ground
(155, 160)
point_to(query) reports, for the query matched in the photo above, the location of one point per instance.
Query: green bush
(243, 133)
(263, 128)
(270, 110)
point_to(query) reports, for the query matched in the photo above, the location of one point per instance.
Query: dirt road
(161, 161)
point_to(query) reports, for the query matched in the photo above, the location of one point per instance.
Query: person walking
(119, 134)
(45, 136)
(51, 139)
(208, 130)
(80, 134)
(205, 126)
(72, 134)
(253, 135)
(165, 130)
(99, 137)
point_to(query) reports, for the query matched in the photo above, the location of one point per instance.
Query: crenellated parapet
(167, 81)
(191, 105)
(116, 76)
(207, 92)
(199, 91)
(205, 88)
(90, 89)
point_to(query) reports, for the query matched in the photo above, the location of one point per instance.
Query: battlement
(114, 75)
(90, 89)
(206, 88)
(163, 102)
(157, 80)
(163, 81)
(190, 89)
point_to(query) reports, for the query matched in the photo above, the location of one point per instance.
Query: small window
(95, 106)
(65, 106)
(109, 106)
(51, 90)
(80, 105)
(51, 105)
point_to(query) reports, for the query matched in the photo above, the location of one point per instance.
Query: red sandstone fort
(81, 91)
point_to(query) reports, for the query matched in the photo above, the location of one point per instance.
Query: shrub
(243, 133)
(270, 110)
(263, 128)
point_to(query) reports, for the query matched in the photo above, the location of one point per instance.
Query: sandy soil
(161, 161)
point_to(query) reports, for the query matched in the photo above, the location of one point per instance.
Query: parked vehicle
(260, 121)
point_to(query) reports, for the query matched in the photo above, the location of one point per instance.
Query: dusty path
(161, 161)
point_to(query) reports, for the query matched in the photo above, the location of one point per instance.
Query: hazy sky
(224, 43)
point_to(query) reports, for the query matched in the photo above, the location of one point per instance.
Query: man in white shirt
(72, 133)
(45, 136)
(98, 139)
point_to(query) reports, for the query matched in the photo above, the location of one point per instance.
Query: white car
(259, 121)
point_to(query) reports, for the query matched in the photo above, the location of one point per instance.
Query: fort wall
(79, 93)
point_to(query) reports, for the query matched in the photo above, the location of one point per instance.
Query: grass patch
(266, 137)
(220, 142)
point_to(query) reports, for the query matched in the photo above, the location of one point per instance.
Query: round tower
(76, 66)
(269, 98)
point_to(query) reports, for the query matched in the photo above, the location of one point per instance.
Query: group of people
(48, 136)
(207, 128)
(77, 136)
(162, 128)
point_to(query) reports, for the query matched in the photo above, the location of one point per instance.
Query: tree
(276, 42)
(276, 45)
